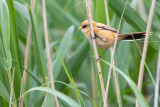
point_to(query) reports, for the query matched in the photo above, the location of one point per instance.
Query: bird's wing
(105, 27)
(101, 38)
(104, 34)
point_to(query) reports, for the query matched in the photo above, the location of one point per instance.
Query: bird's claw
(98, 58)
(93, 37)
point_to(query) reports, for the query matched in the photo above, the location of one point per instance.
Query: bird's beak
(80, 28)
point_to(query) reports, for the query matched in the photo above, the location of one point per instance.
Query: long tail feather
(132, 36)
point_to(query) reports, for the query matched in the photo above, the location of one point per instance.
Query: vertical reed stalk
(26, 54)
(92, 68)
(111, 50)
(93, 82)
(157, 83)
(48, 51)
(10, 102)
(95, 50)
(141, 10)
(141, 71)
(106, 10)
(28, 44)
(112, 59)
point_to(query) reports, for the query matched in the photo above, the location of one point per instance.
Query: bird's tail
(134, 36)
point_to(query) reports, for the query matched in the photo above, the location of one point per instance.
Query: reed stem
(95, 51)
(48, 51)
(141, 71)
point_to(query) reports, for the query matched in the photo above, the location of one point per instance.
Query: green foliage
(14, 48)
(63, 49)
(72, 55)
(3, 92)
(138, 94)
(38, 49)
(60, 95)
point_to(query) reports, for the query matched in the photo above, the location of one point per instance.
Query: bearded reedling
(105, 36)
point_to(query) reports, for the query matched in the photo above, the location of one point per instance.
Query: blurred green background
(64, 17)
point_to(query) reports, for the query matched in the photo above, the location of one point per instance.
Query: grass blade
(69, 77)
(39, 82)
(137, 93)
(3, 92)
(14, 48)
(75, 62)
(130, 15)
(62, 96)
(63, 49)
(5, 30)
(38, 48)
(22, 9)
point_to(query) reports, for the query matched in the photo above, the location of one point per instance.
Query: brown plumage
(105, 35)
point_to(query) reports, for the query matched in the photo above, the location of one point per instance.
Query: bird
(105, 35)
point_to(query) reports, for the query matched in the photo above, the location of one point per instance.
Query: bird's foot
(93, 37)
(98, 58)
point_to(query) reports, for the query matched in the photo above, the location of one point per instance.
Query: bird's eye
(84, 26)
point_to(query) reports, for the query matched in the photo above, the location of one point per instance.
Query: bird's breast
(104, 45)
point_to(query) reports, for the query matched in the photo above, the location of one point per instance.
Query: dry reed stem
(116, 86)
(48, 51)
(141, 9)
(90, 5)
(45, 98)
(93, 82)
(10, 102)
(141, 71)
(111, 50)
(27, 51)
(109, 74)
(92, 68)
(28, 44)
(106, 10)
(27, 54)
(95, 51)
(157, 83)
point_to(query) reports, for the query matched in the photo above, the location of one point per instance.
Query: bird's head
(85, 26)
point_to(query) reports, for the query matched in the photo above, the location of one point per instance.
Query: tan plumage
(105, 35)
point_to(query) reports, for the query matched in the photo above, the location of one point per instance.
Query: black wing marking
(104, 28)
(96, 36)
